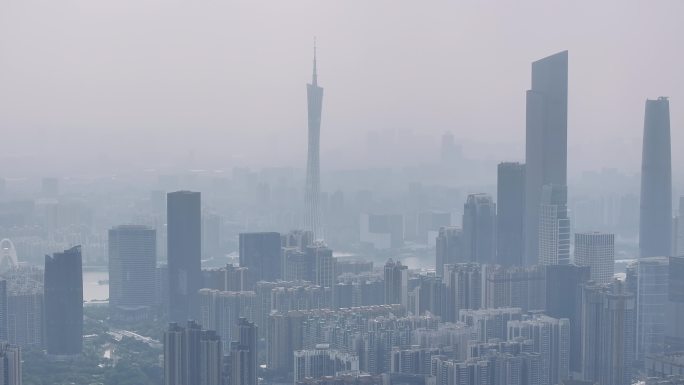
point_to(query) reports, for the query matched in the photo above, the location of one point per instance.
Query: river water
(92, 290)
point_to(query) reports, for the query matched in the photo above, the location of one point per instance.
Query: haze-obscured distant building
(479, 229)
(382, 231)
(132, 262)
(184, 224)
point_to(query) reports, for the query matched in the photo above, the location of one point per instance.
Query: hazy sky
(132, 84)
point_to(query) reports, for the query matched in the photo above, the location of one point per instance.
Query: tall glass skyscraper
(64, 303)
(510, 199)
(546, 142)
(184, 251)
(314, 95)
(655, 221)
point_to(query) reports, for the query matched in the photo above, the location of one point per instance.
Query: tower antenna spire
(315, 71)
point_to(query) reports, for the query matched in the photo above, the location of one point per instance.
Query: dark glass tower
(655, 223)
(510, 202)
(546, 142)
(314, 96)
(184, 222)
(260, 254)
(64, 303)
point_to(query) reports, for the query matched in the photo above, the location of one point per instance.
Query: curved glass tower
(312, 215)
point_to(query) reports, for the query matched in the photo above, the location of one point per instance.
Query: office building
(260, 253)
(25, 311)
(479, 229)
(674, 316)
(448, 248)
(184, 236)
(554, 226)
(312, 215)
(655, 220)
(132, 262)
(651, 305)
(546, 141)
(510, 214)
(64, 303)
(596, 250)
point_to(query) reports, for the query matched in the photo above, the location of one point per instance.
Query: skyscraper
(396, 283)
(655, 221)
(243, 355)
(132, 263)
(596, 250)
(510, 215)
(321, 259)
(10, 364)
(64, 303)
(554, 226)
(314, 96)
(651, 305)
(479, 229)
(608, 315)
(192, 356)
(564, 285)
(448, 248)
(546, 140)
(260, 253)
(184, 217)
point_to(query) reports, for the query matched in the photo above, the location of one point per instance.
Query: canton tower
(314, 96)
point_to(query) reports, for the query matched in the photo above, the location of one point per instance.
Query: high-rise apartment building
(479, 229)
(396, 283)
(546, 140)
(184, 236)
(608, 316)
(655, 220)
(64, 303)
(192, 356)
(243, 355)
(596, 250)
(132, 263)
(551, 339)
(510, 214)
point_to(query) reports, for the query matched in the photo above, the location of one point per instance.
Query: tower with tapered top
(312, 215)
